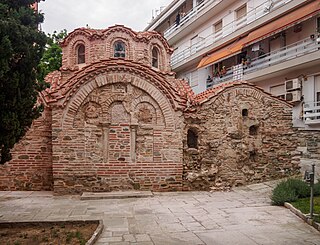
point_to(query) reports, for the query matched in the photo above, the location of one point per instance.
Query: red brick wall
(31, 164)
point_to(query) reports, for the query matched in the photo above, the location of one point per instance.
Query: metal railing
(286, 53)
(194, 12)
(292, 51)
(311, 112)
(226, 30)
(221, 78)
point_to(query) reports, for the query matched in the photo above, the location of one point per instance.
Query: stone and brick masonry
(122, 121)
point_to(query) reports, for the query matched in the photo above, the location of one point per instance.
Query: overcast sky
(98, 14)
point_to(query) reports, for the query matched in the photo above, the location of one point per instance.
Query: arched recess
(163, 57)
(81, 54)
(77, 97)
(74, 48)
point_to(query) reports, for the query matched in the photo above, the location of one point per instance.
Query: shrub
(301, 188)
(283, 193)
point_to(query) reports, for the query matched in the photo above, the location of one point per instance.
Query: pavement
(242, 216)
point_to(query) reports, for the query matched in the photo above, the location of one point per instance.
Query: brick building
(116, 118)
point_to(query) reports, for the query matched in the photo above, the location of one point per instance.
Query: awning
(231, 49)
(275, 26)
(285, 21)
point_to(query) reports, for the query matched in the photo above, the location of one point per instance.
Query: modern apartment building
(272, 43)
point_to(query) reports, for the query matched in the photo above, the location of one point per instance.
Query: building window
(192, 139)
(241, 12)
(244, 112)
(218, 26)
(119, 49)
(155, 57)
(81, 54)
(253, 130)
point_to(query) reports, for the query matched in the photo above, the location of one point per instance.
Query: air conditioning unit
(293, 84)
(293, 96)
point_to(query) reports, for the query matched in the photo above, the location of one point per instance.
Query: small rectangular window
(241, 12)
(218, 26)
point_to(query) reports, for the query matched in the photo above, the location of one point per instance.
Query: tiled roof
(216, 90)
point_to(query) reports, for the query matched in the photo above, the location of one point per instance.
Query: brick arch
(77, 97)
(163, 55)
(249, 90)
(126, 39)
(149, 100)
(74, 43)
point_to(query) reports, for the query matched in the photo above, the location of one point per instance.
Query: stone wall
(309, 148)
(125, 123)
(244, 136)
(31, 164)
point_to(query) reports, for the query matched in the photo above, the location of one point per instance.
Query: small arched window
(81, 54)
(155, 57)
(192, 139)
(119, 49)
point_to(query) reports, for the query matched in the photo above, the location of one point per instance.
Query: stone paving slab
(115, 195)
(242, 216)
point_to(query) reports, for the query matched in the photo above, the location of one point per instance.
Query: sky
(98, 14)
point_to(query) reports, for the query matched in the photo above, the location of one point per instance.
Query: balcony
(311, 112)
(226, 30)
(287, 53)
(190, 16)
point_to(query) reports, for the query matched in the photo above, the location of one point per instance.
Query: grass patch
(303, 205)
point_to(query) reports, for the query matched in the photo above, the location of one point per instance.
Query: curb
(96, 234)
(302, 216)
(115, 195)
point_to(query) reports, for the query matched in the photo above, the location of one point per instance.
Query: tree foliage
(52, 57)
(21, 48)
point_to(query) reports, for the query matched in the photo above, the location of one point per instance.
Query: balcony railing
(286, 53)
(196, 11)
(226, 30)
(311, 112)
(292, 51)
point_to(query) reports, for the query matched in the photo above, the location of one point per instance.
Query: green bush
(283, 193)
(301, 188)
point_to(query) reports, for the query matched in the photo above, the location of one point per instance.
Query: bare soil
(47, 233)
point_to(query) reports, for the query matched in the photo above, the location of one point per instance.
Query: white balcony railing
(192, 14)
(292, 51)
(226, 30)
(281, 55)
(311, 112)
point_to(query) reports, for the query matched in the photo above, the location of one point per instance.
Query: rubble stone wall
(244, 136)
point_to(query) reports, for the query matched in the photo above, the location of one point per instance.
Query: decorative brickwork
(122, 121)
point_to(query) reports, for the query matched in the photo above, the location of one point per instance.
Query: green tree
(52, 57)
(21, 48)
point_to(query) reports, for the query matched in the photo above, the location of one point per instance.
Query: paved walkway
(243, 216)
